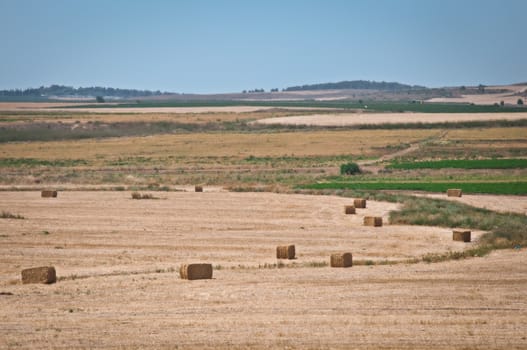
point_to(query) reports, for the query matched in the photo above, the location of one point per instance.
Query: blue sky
(226, 46)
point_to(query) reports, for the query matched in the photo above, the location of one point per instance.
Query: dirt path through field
(372, 165)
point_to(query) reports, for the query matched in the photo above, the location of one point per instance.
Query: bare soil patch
(350, 119)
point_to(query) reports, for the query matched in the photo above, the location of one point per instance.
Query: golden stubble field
(231, 144)
(117, 261)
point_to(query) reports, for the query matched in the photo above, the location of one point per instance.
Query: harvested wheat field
(350, 119)
(317, 143)
(118, 286)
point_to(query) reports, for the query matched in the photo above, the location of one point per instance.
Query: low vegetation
(509, 188)
(8, 215)
(32, 162)
(350, 168)
(504, 230)
(463, 164)
(137, 195)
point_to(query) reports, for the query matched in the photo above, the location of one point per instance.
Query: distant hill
(61, 91)
(357, 84)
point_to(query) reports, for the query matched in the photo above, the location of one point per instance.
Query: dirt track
(118, 259)
(388, 118)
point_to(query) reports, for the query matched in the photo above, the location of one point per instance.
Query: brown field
(117, 262)
(317, 143)
(224, 159)
(350, 119)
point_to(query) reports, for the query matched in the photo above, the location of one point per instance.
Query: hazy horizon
(213, 47)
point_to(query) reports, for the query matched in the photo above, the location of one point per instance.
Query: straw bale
(49, 194)
(454, 192)
(44, 274)
(285, 252)
(461, 235)
(341, 260)
(375, 221)
(360, 203)
(349, 209)
(195, 271)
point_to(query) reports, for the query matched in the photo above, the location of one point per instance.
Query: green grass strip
(463, 164)
(32, 162)
(382, 106)
(509, 188)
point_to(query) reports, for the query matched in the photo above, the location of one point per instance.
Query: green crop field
(31, 162)
(509, 188)
(371, 105)
(463, 164)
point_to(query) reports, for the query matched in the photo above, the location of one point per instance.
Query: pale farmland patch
(351, 119)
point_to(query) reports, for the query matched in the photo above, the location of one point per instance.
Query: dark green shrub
(349, 169)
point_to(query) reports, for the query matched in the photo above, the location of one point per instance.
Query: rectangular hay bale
(198, 189)
(341, 260)
(454, 192)
(360, 203)
(285, 252)
(44, 274)
(375, 221)
(195, 271)
(461, 235)
(49, 194)
(349, 209)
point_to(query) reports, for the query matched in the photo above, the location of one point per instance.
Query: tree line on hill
(67, 91)
(357, 84)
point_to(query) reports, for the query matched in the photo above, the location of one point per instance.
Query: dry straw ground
(118, 287)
